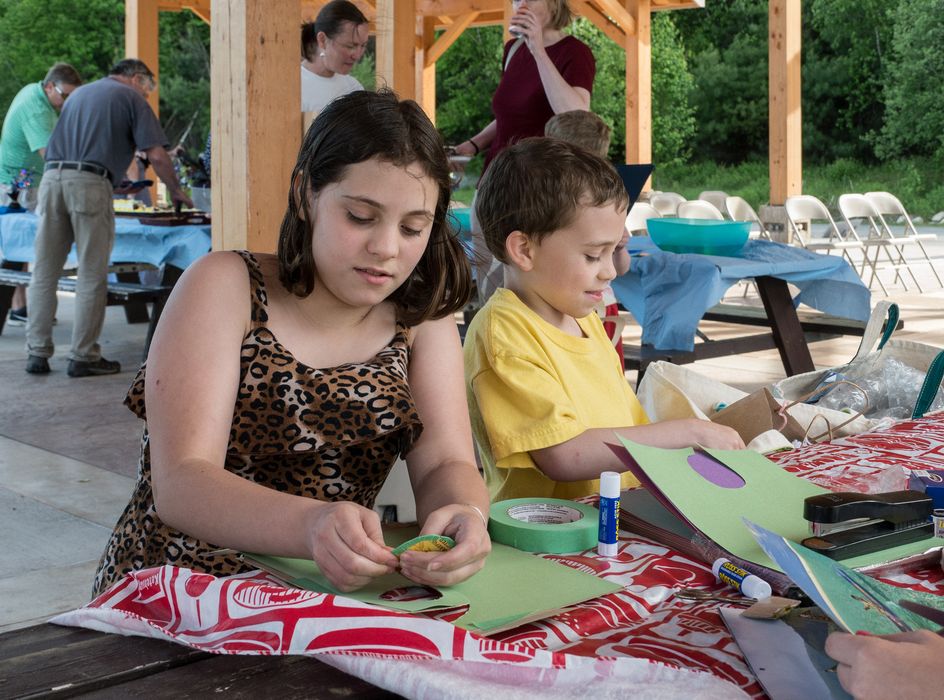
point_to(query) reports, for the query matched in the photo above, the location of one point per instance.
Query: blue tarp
(134, 242)
(668, 293)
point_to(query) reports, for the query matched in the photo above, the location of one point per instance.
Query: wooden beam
(600, 21)
(786, 134)
(201, 12)
(448, 37)
(396, 45)
(618, 14)
(678, 5)
(639, 85)
(256, 120)
(454, 8)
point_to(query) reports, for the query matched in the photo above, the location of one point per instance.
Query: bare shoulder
(434, 333)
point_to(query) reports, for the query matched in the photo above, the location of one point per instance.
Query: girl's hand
(347, 545)
(715, 436)
(465, 525)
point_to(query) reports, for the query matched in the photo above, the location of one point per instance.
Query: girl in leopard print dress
(279, 390)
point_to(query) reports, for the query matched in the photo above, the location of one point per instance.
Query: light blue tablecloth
(134, 242)
(669, 293)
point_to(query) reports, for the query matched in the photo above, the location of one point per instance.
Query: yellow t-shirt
(530, 385)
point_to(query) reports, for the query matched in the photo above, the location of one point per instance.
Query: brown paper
(757, 413)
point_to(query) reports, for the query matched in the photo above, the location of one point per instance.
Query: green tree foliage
(34, 34)
(673, 122)
(185, 78)
(845, 47)
(466, 78)
(726, 49)
(914, 121)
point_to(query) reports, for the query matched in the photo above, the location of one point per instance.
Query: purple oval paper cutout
(714, 471)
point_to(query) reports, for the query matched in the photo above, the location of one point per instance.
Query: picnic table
(669, 294)
(137, 246)
(609, 641)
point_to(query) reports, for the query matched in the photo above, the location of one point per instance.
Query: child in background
(281, 389)
(587, 130)
(545, 390)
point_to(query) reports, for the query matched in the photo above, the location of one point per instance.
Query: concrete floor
(57, 509)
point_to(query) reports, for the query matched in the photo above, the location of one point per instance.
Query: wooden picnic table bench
(50, 661)
(791, 330)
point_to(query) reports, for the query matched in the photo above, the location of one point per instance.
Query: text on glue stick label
(609, 520)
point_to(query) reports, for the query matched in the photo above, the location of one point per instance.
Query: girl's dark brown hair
(352, 129)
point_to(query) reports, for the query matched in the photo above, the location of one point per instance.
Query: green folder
(513, 588)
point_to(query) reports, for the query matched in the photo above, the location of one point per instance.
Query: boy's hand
(463, 524)
(715, 436)
(347, 545)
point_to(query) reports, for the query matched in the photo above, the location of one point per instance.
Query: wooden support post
(255, 100)
(426, 69)
(786, 125)
(396, 45)
(141, 42)
(639, 85)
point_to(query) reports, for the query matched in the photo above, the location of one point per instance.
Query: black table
(59, 662)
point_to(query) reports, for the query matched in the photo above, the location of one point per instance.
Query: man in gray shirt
(101, 126)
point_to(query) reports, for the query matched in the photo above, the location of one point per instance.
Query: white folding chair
(740, 210)
(666, 203)
(807, 209)
(858, 213)
(718, 198)
(887, 204)
(637, 217)
(699, 209)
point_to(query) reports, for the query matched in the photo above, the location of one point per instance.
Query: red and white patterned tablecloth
(642, 635)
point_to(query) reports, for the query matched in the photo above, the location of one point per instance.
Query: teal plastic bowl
(705, 236)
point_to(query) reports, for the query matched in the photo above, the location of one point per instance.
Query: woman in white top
(331, 45)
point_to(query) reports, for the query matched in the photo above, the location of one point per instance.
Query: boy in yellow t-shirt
(546, 392)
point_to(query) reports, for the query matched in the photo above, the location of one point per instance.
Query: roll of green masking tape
(547, 525)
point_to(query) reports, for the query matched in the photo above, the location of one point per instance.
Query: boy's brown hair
(536, 187)
(580, 127)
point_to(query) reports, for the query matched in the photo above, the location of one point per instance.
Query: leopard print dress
(329, 434)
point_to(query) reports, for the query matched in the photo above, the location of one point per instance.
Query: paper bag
(757, 413)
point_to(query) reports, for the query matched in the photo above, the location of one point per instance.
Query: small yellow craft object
(426, 543)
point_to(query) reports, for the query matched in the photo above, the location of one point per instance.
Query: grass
(916, 182)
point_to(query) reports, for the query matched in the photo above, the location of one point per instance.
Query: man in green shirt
(26, 129)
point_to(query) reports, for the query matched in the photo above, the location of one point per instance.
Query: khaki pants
(74, 207)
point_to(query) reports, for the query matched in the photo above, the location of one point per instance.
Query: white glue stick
(745, 583)
(609, 514)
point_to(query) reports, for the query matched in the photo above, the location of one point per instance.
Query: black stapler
(845, 525)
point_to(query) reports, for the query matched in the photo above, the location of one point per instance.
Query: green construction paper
(853, 600)
(770, 497)
(513, 588)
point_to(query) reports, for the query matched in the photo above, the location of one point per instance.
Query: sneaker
(37, 365)
(77, 368)
(17, 317)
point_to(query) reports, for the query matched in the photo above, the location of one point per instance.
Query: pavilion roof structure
(255, 92)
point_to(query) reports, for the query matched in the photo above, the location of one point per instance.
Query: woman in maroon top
(545, 72)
